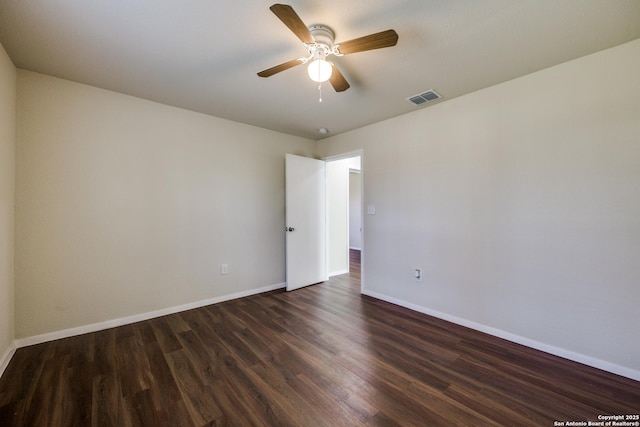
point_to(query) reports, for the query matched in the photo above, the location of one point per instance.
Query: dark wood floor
(319, 356)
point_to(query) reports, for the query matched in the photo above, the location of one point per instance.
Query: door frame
(342, 156)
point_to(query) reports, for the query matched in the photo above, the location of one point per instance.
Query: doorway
(344, 214)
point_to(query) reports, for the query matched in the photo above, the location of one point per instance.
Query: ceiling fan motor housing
(323, 36)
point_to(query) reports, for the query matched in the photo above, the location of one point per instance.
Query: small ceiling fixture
(323, 131)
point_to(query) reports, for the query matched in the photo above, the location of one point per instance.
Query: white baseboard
(576, 357)
(6, 357)
(94, 327)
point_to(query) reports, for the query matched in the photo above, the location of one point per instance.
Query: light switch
(371, 209)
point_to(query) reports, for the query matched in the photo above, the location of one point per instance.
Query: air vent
(423, 98)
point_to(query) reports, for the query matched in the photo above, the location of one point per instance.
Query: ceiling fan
(319, 43)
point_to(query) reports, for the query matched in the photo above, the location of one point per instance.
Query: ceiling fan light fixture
(319, 41)
(319, 70)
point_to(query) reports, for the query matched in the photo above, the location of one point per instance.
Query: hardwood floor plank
(547, 398)
(80, 388)
(234, 346)
(208, 369)
(13, 413)
(39, 404)
(146, 332)
(196, 396)
(342, 411)
(319, 356)
(106, 401)
(259, 409)
(139, 410)
(165, 334)
(163, 388)
(203, 327)
(133, 366)
(536, 374)
(478, 401)
(62, 407)
(418, 399)
(274, 384)
(234, 413)
(24, 374)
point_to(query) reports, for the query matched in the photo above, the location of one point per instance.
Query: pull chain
(319, 92)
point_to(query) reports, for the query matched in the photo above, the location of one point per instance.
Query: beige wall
(126, 206)
(7, 191)
(521, 205)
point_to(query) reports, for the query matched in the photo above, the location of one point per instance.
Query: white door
(305, 221)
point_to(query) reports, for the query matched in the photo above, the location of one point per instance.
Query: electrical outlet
(224, 269)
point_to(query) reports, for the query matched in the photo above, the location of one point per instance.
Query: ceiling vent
(423, 98)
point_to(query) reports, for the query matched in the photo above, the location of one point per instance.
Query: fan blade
(372, 41)
(337, 80)
(290, 18)
(278, 68)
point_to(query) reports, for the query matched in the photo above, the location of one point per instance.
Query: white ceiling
(204, 55)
